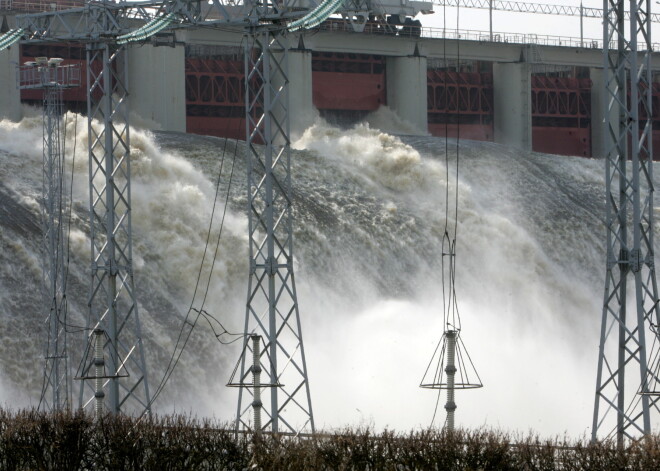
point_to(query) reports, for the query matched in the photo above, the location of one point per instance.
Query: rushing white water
(370, 214)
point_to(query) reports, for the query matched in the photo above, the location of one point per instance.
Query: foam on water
(370, 214)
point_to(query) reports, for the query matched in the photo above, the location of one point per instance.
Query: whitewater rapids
(369, 217)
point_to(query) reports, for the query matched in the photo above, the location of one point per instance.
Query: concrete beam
(348, 42)
(406, 89)
(300, 108)
(513, 104)
(157, 86)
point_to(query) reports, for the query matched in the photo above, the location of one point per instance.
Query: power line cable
(174, 361)
(451, 315)
(208, 317)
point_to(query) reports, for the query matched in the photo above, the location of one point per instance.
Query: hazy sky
(506, 22)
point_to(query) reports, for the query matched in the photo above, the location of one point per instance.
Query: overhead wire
(174, 359)
(200, 312)
(444, 292)
(456, 317)
(208, 317)
(67, 263)
(63, 307)
(451, 316)
(173, 362)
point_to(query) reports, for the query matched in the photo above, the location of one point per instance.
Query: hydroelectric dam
(533, 92)
(383, 112)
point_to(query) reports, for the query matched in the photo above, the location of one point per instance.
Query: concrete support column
(599, 113)
(406, 89)
(157, 86)
(301, 107)
(10, 97)
(512, 90)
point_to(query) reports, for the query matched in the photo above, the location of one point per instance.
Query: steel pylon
(272, 305)
(113, 307)
(625, 400)
(56, 390)
(53, 78)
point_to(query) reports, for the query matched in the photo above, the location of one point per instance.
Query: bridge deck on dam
(529, 91)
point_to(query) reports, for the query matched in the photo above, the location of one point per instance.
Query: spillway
(369, 217)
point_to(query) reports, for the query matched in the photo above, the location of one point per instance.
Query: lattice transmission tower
(53, 78)
(112, 304)
(272, 305)
(626, 385)
(272, 308)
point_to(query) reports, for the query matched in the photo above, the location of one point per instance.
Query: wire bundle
(154, 26)
(10, 37)
(450, 367)
(316, 16)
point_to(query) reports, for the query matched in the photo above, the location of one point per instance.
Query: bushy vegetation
(31, 440)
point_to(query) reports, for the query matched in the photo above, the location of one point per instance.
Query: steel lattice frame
(623, 406)
(530, 7)
(53, 79)
(55, 394)
(112, 303)
(272, 306)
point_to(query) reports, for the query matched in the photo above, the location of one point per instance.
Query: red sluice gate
(460, 104)
(215, 97)
(350, 84)
(561, 115)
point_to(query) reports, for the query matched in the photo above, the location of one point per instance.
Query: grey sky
(505, 22)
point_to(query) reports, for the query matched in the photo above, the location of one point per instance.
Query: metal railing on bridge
(469, 35)
(36, 6)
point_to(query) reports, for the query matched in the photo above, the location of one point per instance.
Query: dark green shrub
(31, 440)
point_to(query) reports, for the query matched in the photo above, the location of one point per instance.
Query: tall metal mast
(112, 304)
(53, 78)
(272, 305)
(623, 403)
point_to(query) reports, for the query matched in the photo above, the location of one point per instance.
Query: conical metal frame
(435, 376)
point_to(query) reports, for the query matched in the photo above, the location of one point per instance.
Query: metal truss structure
(529, 7)
(626, 387)
(113, 307)
(112, 303)
(56, 391)
(53, 78)
(272, 306)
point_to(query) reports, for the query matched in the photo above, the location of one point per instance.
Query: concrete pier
(157, 86)
(10, 97)
(513, 104)
(301, 108)
(406, 89)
